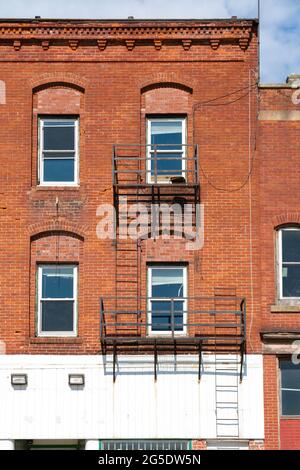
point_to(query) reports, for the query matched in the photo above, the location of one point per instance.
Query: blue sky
(280, 21)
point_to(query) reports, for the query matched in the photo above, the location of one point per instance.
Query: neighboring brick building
(278, 144)
(158, 112)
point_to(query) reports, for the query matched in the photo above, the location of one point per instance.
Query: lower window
(145, 445)
(167, 299)
(57, 300)
(290, 388)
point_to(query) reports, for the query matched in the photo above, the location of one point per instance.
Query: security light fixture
(76, 379)
(19, 379)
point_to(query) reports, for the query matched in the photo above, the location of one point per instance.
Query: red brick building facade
(111, 81)
(278, 152)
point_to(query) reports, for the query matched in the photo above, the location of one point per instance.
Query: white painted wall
(134, 407)
(7, 445)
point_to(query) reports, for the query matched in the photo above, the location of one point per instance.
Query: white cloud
(280, 30)
(280, 21)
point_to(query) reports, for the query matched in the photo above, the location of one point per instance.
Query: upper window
(58, 151)
(57, 300)
(289, 263)
(166, 149)
(290, 388)
(167, 292)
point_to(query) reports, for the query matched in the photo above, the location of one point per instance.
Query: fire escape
(214, 324)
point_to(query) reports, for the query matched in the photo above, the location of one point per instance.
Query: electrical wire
(208, 103)
(203, 103)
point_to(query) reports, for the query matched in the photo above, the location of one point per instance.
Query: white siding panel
(134, 407)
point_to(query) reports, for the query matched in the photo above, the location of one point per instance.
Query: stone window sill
(55, 340)
(285, 308)
(56, 188)
(289, 418)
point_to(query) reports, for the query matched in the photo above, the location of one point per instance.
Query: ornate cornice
(101, 34)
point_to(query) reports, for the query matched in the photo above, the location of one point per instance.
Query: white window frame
(167, 179)
(149, 298)
(41, 181)
(280, 264)
(39, 301)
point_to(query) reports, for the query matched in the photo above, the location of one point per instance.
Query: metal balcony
(185, 325)
(136, 165)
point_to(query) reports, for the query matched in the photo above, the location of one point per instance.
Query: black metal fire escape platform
(214, 325)
(138, 174)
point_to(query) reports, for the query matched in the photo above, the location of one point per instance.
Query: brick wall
(256, 445)
(278, 143)
(112, 90)
(289, 434)
(199, 445)
(279, 172)
(271, 401)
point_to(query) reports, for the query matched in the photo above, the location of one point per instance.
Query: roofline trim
(127, 20)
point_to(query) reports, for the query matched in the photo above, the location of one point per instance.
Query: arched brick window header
(166, 98)
(57, 98)
(52, 227)
(58, 79)
(56, 247)
(50, 233)
(57, 84)
(290, 219)
(178, 86)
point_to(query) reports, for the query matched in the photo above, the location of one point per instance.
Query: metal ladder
(127, 268)
(227, 395)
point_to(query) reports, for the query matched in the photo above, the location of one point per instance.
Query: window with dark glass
(167, 298)
(289, 262)
(166, 150)
(57, 298)
(290, 388)
(58, 151)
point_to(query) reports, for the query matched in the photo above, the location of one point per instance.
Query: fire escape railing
(141, 165)
(211, 324)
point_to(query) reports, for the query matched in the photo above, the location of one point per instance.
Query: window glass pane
(166, 132)
(161, 315)
(167, 282)
(291, 280)
(57, 315)
(290, 374)
(59, 138)
(166, 164)
(59, 170)
(57, 282)
(291, 245)
(59, 122)
(290, 402)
